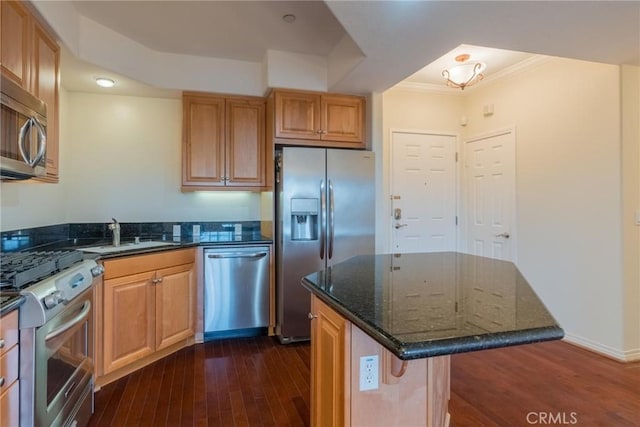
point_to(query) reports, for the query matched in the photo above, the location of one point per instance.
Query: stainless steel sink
(124, 247)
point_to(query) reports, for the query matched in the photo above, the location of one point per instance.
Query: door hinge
(456, 219)
(456, 157)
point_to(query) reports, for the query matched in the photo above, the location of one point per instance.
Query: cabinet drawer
(10, 406)
(8, 331)
(9, 368)
(135, 264)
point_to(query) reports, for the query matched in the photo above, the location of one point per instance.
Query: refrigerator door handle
(331, 219)
(323, 222)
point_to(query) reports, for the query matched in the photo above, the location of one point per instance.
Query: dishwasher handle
(255, 255)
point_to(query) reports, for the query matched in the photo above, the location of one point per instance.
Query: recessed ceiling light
(105, 82)
(289, 18)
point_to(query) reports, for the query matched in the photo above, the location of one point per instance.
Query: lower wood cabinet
(408, 393)
(328, 336)
(148, 307)
(9, 370)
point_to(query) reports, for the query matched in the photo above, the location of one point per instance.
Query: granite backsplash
(16, 240)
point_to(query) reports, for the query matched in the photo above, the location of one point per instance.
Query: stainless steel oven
(56, 335)
(62, 381)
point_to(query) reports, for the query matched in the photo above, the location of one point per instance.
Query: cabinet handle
(312, 316)
(156, 281)
(319, 131)
(2, 380)
(1, 342)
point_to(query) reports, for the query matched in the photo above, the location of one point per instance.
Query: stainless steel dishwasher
(236, 291)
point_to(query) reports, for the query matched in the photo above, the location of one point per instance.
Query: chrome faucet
(115, 227)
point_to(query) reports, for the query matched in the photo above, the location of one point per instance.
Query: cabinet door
(128, 320)
(245, 159)
(45, 86)
(342, 118)
(14, 42)
(10, 405)
(175, 290)
(297, 115)
(328, 335)
(203, 145)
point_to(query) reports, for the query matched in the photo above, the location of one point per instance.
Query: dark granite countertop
(10, 302)
(433, 304)
(217, 239)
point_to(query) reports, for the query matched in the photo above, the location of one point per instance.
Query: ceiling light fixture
(289, 18)
(105, 82)
(465, 73)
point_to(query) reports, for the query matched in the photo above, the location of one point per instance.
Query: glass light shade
(463, 75)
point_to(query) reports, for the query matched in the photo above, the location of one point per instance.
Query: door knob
(400, 225)
(505, 235)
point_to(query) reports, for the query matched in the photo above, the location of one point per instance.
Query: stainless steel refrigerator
(324, 214)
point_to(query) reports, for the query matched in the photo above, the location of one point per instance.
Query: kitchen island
(383, 327)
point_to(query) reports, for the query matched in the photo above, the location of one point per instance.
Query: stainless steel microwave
(23, 147)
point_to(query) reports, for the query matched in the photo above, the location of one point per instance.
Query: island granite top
(433, 304)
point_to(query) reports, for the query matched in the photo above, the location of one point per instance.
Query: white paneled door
(489, 187)
(423, 192)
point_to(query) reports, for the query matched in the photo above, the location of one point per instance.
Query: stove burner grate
(23, 268)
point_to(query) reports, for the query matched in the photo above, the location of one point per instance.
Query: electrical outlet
(196, 231)
(176, 230)
(369, 372)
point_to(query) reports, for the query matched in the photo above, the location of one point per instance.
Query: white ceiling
(392, 39)
(241, 30)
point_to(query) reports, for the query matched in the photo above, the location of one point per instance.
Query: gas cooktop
(18, 270)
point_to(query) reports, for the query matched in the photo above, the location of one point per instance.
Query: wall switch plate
(369, 372)
(176, 230)
(196, 231)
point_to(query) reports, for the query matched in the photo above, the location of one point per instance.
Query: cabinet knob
(1, 342)
(1, 381)
(312, 316)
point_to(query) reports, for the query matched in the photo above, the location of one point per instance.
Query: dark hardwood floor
(258, 382)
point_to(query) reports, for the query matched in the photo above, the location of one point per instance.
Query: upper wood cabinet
(224, 145)
(15, 33)
(31, 57)
(317, 119)
(45, 78)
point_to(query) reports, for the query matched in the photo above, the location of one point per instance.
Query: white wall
(125, 162)
(567, 116)
(26, 204)
(120, 157)
(567, 119)
(630, 77)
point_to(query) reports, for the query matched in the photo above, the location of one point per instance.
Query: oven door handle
(75, 320)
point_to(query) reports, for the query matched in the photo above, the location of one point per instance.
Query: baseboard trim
(604, 350)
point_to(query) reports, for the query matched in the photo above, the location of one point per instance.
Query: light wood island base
(414, 392)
